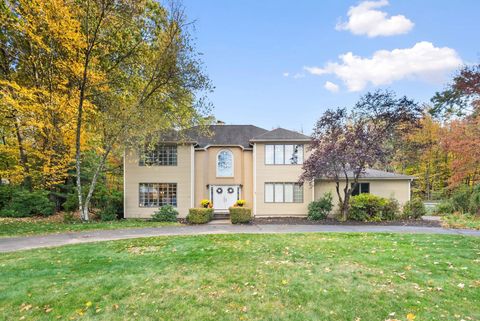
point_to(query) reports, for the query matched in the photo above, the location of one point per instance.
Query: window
(157, 194)
(160, 155)
(225, 163)
(283, 154)
(361, 188)
(283, 193)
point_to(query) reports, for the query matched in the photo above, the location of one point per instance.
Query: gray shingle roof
(371, 173)
(281, 134)
(225, 135)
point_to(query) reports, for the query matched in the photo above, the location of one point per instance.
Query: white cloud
(298, 75)
(330, 86)
(286, 74)
(363, 19)
(423, 60)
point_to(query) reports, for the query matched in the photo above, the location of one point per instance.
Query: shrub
(474, 202)
(240, 203)
(390, 210)
(5, 212)
(319, 210)
(461, 198)
(108, 214)
(6, 193)
(414, 209)
(199, 215)
(25, 203)
(166, 213)
(366, 207)
(206, 203)
(239, 215)
(445, 207)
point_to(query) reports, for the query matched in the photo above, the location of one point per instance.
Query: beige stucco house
(234, 162)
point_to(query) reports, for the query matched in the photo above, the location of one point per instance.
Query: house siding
(278, 173)
(136, 174)
(397, 188)
(206, 172)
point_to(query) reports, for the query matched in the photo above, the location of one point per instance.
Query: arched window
(224, 163)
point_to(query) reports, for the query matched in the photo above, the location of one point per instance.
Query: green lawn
(461, 221)
(16, 227)
(312, 276)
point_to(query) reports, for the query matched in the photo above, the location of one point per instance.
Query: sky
(278, 63)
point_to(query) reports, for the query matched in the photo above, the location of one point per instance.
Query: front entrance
(224, 196)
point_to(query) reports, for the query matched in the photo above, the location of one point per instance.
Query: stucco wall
(180, 174)
(278, 173)
(398, 189)
(206, 172)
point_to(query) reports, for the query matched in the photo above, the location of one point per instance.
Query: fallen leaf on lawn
(88, 304)
(244, 309)
(461, 285)
(284, 282)
(115, 306)
(411, 317)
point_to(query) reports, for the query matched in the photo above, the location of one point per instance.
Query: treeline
(443, 151)
(79, 80)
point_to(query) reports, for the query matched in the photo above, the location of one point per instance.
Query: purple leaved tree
(345, 143)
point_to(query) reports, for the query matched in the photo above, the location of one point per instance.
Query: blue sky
(269, 59)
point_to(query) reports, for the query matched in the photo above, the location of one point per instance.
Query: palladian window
(225, 163)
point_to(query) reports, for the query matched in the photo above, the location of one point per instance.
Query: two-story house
(234, 162)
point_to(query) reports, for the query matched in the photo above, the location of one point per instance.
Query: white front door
(224, 196)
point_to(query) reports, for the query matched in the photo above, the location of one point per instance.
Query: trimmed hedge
(239, 215)
(199, 215)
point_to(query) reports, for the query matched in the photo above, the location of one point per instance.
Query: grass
(19, 227)
(458, 220)
(247, 277)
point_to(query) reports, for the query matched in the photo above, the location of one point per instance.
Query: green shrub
(444, 208)
(239, 215)
(414, 209)
(461, 198)
(5, 212)
(108, 214)
(6, 193)
(166, 213)
(366, 207)
(474, 202)
(390, 210)
(199, 215)
(319, 210)
(25, 203)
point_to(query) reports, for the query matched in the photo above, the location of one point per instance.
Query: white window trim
(284, 155)
(233, 164)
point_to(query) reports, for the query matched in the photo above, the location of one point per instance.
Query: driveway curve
(52, 240)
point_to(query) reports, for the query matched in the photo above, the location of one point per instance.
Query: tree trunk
(27, 180)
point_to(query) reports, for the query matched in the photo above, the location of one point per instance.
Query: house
(234, 162)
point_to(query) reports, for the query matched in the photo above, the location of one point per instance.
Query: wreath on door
(219, 190)
(230, 190)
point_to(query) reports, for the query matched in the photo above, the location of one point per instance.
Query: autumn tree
(344, 144)
(39, 45)
(140, 73)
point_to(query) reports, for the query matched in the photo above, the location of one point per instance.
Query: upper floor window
(361, 188)
(283, 154)
(160, 155)
(224, 163)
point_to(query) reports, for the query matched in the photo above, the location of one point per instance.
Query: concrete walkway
(51, 240)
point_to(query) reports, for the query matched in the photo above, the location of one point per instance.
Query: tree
(461, 97)
(345, 144)
(419, 152)
(138, 64)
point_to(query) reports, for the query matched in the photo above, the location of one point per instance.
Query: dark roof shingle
(225, 135)
(281, 134)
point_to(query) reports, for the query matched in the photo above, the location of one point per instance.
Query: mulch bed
(330, 221)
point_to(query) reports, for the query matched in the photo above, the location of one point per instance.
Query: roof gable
(235, 135)
(281, 134)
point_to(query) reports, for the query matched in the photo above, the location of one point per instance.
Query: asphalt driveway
(52, 240)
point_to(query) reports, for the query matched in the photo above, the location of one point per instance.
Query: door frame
(212, 188)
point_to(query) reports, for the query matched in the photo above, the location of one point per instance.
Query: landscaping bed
(331, 221)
